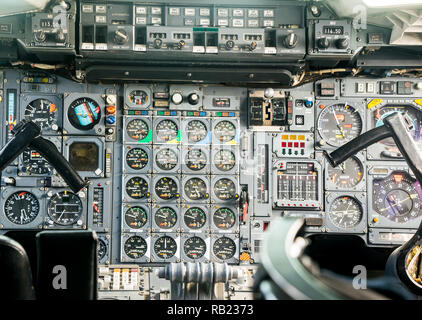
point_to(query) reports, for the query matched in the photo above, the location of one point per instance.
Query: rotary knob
(230, 44)
(121, 36)
(323, 43)
(342, 43)
(177, 98)
(193, 99)
(158, 43)
(290, 41)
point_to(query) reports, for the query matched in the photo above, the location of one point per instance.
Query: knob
(180, 44)
(177, 98)
(40, 36)
(323, 43)
(158, 43)
(193, 99)
(252, 46)
(229, 44)
(290, 41)
(342, 43)
(60, 36)
(269, 93)
(120, 36)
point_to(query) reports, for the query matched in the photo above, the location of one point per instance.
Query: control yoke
(27, 134)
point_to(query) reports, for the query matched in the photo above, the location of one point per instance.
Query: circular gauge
(346, 175)
(195, 218)
(135, 247)
(196, 189)
(34, 163)
(165, 218)
(137, 188)
(136, 217)
(101, 249)
(195, 247)
(137, 158)
(225, 189)
(43, 112)
(65, 208)
(396, 198)
(196, 159)
(339, 123)
(345, 212)
(165, 247)
(137, 129)
(166, 159)
(224, 248)
(166, 188)
(138, 97)
(224, 160)
(225, 131)
(197, 131)
(167, 130)
(224, 218)
(21, 207)
(84, 113)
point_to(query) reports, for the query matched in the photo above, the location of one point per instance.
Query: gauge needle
(61, 215)
(394, 204)
(338, 124)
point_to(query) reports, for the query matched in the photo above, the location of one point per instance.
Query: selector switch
(177, 98)
(342, 43)
(290, 41)
(323, 43)
(230, 44)
(158, 43)
(193, 99)
(120, 36)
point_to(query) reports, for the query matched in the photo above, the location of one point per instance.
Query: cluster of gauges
(171, 247)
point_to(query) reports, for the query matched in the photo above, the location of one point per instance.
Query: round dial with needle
(196, 189)
(21, 207)
(65, 208)
(346, 175)
(165, 218)
(136, 217)
(345, 212)
(195, 218)
(165, 247)
(43, 112)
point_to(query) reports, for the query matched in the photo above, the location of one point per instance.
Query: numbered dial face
(65, 208)
(166, 188)
(195, 218)
(102, 249)
(397, 198)
(43, 112)
(137, 129)
(195, 247)
(136, 217)
(224, 248)
(33, 163)
(166, 159)
(137, 158)
(225, 131)
(137, 188)
(138, 98)
(165, 247)
(346, 175)
(21, 207)
(165, 218)
(224, 160)
(224, 218)
(167, 130)
(225, 189)
(196, 189)
(135, 247)
(197, 131)
(345, 212)
(339, 123)
(84, 113)
(196, 159)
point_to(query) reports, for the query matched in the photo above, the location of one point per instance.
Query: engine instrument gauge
(196, 189)
(224, 248)
(101, 249)
(195, 218)
(136, 217)
(165, 247)
(135, 247)
(166, 159)
(346, 175)
(137, 188)
(84, 113)
(166, 188)
(43, 112)
(195, 247)
(34, 163)
(225, 189)
(65, 208)
(196, 130)
(224, 160)
(21, 207)
(167, 130)
(138, 97)
(398, 197)
(339, 123)
(137, 158)
(137, 129)
(345, 212)
(224, 218)
(225, 131)
(165, 218)
(196, 159)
